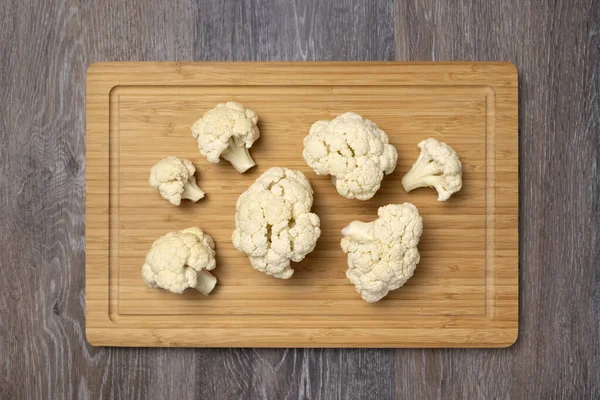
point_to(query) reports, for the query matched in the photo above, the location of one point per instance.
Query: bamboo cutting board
(465, 290)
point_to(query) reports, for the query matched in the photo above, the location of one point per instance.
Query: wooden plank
(138, 113)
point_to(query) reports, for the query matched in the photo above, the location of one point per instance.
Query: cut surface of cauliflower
(181, 260)
(273, 222)
(354, 151)
(383, 254)
(174, 179)
(438, 166)
(227, 131)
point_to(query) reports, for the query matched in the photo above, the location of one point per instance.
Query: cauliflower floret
(227, 131)
(181, 260)
(273, 222)
(383, 254)
(174, 179)
(438, 166)
(354, 151)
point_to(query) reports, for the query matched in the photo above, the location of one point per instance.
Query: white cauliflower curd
(273, 222)
(181, 260)
(227, 131)
(438, 166)
(174, 179)
(354, 151)
(383, 254)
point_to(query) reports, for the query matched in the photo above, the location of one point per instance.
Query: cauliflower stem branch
(239, 157)
(360, 231)
(206, 282)
(192, 191)
(422, 174)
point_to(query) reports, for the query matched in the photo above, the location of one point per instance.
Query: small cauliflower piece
(354, 151)
(181, 260)
(227, 131)
(273, 222)
(174, 179)
(383, 254)
(438, 166)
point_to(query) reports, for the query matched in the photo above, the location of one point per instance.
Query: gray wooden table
(46, 47)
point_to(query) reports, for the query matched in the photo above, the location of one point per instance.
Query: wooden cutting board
(465, 290)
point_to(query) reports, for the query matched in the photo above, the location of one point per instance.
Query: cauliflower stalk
(438, 166)
(227, 131)
(273, 222)
(174, 179)
(354, 151)
(383, 254)
(181, 260)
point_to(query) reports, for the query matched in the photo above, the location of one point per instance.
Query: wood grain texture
(464, 293)
(46, 47)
